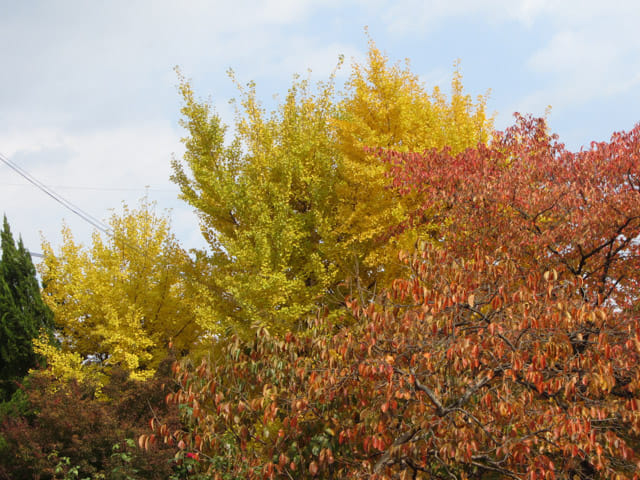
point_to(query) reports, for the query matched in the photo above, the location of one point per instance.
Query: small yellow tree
(121, 301)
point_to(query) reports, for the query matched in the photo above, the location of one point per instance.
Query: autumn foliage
(392, 290)
(119, 302)
(293, 205)
(525, 195)
(509, 348)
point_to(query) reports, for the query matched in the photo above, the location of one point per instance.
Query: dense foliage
(60, 430)
(392, 291)
(294, 206)
(511, 348)
(22, 313)
(120, 302)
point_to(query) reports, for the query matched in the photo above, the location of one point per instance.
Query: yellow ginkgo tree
(386, 106)
(294, 208)
(121, 301)
(267, 204)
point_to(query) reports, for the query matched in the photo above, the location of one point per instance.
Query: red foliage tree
(510, 350)
(548, 207)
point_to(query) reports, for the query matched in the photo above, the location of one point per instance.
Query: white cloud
(90, 100)
(411, 16)
(574, 52)
(303, 55)
(597, 59)
(97, 57)
(95, 171)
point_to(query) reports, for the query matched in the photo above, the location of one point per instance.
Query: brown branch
(385, 458)
(440, 410)
(501, 470)
(470, 391)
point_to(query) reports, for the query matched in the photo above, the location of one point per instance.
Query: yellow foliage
(294, 207)
(65, 365)
(387, 106)
(121, 301)
(266, 204)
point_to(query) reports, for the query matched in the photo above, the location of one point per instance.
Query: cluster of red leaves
(71, 423)
(548, 207)
(510, 350)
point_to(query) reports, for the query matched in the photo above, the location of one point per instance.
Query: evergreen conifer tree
(22, 312)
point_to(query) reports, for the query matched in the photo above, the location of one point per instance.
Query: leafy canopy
(293, 206)
(121, 301)
(509, 350)
(63, 431)
(386, 106)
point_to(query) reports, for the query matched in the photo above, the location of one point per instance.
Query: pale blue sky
(88, 97)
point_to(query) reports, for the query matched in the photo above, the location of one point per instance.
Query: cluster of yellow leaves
(123, 300)
(386, 106)
(265, 207)
(294, 206)
(65, 366)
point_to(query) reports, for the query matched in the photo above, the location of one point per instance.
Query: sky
(89, 104)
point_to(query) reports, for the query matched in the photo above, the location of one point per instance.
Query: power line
(64, 202)
(97, 189)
